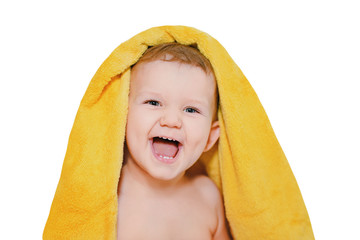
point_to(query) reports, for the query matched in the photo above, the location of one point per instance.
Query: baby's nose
(170, 118)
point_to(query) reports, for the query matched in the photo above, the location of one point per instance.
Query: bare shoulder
(212, 196)
(208, 190)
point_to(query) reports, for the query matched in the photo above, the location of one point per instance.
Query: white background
(301, 57)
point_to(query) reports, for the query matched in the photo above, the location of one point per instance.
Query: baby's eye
(153, 102)
(191, 110)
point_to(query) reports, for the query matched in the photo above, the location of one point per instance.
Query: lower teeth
(166, 157)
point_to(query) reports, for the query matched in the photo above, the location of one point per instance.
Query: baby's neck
(141, 182)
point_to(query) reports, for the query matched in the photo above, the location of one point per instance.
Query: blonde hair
(176, 52)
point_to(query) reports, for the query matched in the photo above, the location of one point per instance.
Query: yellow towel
(261, 197)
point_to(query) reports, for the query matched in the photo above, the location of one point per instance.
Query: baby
(171, 122)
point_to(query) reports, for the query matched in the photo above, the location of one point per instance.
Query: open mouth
(165, 149)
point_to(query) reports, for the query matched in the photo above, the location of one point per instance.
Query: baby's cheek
(200, 134)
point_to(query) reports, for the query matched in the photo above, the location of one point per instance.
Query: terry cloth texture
(261, 197)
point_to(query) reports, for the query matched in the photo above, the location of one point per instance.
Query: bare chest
(184, 218)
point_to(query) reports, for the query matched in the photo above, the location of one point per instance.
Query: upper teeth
(167, 139)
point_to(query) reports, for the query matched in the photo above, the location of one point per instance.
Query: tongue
(165, 147)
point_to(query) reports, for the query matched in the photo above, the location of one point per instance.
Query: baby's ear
(213, 135)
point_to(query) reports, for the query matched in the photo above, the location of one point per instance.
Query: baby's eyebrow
(196, 101)
(147, 93)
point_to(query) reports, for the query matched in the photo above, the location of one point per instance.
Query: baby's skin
(170, 124)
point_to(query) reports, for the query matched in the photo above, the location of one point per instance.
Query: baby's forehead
(174, 71)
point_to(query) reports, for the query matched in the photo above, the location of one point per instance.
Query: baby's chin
(167, 175)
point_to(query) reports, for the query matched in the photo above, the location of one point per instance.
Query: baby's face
(170, 100)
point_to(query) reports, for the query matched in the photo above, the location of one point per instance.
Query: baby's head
(172, 110)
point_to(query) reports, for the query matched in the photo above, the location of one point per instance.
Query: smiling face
(170, 117)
